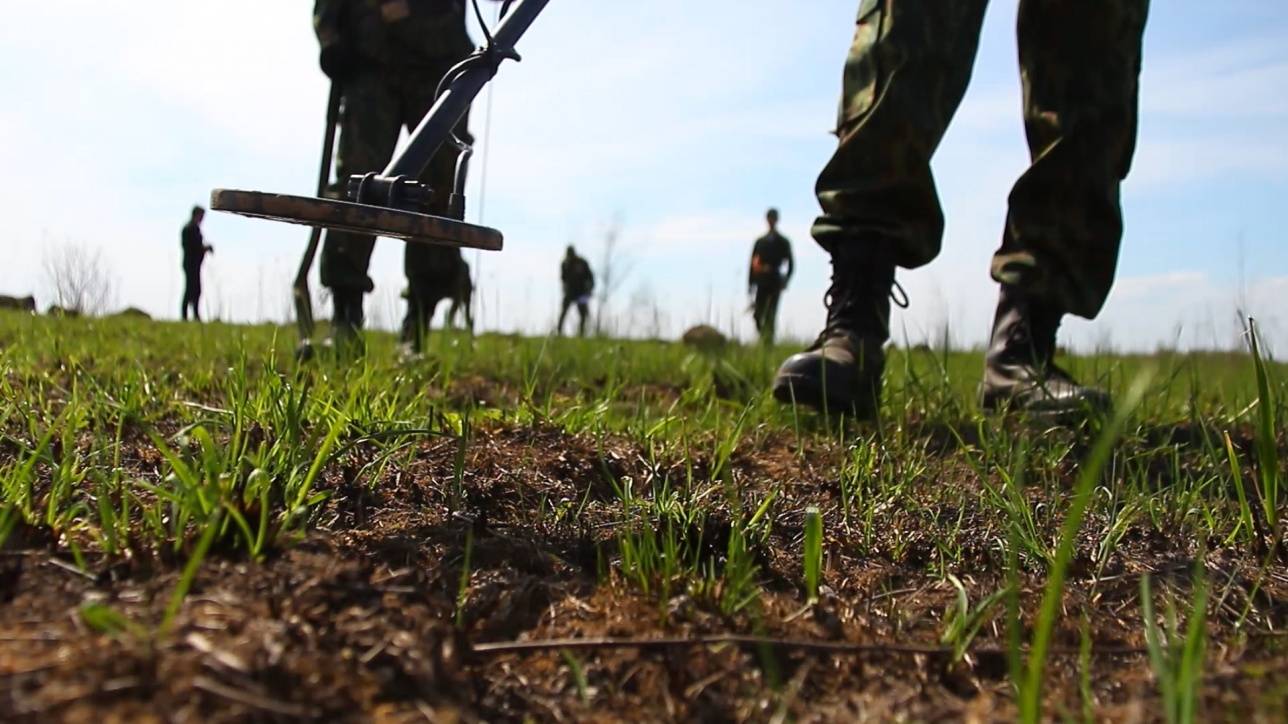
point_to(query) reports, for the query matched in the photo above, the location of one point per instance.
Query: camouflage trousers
(376, 108)
(906, 73)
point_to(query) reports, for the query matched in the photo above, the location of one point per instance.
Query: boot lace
(845, 300)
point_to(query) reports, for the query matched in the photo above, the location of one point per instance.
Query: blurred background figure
(766, 278)
(388, 57)
(578, 283)
(195, 250)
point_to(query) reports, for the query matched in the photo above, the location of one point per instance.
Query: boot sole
(1063, 413)
(805, 390)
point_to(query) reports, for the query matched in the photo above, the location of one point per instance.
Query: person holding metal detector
(387, 58)
(908, 68)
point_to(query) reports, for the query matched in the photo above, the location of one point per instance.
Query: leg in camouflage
(905, 76)
(433, 281)
(908, 68)
(369, 127)
(432, 271)
(376, 108)
(1080, 63)
(423, 296)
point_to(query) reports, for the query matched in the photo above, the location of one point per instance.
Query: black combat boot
(1020, 373)
(842, 370)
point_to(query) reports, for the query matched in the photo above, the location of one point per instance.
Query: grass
(1176, 657)
(644, 488)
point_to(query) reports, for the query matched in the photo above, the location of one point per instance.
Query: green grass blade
(1088, 476)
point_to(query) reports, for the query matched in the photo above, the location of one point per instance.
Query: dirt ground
(359, 621)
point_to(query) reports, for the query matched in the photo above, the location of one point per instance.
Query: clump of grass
(1267, 443)
(1176, 657)
(463, 581)
(962, 621)
(1030, 686)
(107, 620)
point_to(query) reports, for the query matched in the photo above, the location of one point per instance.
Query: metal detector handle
(300, 290)
(436, 127)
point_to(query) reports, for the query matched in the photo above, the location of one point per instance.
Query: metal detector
(393, 202)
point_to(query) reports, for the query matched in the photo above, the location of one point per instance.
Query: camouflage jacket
(395, 33)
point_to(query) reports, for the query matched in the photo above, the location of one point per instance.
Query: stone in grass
(705, 338)
(64, 312)
(21, 304)
(133, 313)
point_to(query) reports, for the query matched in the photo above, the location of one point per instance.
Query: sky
(676, 123)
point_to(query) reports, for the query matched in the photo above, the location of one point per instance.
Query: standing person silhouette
(195, 250)
(578, 283)
(766, 278)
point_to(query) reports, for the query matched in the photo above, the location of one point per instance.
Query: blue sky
(680, 121)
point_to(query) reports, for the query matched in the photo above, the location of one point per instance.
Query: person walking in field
(766, 278)
(195, 250)
(578, 283)
(907, 71)
(388, 57)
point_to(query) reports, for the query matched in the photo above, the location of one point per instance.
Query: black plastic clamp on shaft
(399, 192)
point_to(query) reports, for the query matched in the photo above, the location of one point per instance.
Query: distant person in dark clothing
(195, 249)
(578, 283)
(766, 278)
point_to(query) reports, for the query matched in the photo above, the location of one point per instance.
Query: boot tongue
(858, 300)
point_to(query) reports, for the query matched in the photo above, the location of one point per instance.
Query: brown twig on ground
(497, 648)
(250, 699)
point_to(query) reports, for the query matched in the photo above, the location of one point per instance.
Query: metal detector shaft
(436, 127)
(300, 290)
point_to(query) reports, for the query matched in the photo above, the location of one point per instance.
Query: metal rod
(454, 103)
(300, 290)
